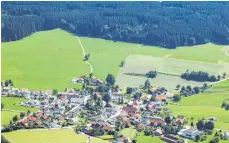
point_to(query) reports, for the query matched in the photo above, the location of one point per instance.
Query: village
(104, 109)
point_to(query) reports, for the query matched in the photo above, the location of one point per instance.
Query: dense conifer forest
(166, 24)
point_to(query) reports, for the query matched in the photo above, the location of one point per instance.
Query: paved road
(91, 68)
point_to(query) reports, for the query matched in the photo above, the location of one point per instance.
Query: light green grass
(106, 137)
(10, 103)
(48, 136)
(43, 60)
(128, 132)
(214, 99)
(7, 116)
(141, 138)
(221, 86)
(198, 112)
(50, 59)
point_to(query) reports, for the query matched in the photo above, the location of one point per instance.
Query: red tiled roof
(25, 121)
(160, 97)
(31, 118)
(39, 123)
(156, 122)
(107, 128)
(39, 114)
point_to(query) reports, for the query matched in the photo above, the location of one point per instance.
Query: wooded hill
(166, 24)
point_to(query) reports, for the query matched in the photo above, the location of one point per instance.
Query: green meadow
(50, 59)
(7, 116)
(48, 136)
(205, 105)
(10, 103)
(128, 132)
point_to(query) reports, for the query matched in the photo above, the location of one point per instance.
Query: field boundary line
(81, 45)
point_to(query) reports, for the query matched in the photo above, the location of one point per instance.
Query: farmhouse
(226, 135)
(190, 133)
(95, 81)
(79, 80)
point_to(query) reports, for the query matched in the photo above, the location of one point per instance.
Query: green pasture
(7, 116)
(48, 136)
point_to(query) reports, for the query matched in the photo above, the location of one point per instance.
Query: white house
(226, 135)
(190, 133)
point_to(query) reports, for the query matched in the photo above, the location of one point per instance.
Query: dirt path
(91, 68)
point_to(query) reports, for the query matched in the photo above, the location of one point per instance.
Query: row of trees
(167, 24)
(199, 76)
(151, 74)
(208, 125)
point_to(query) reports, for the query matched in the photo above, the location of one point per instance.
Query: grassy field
(10, 103)
(128, 133)
(44, 60)
(7, 116)
(48, 136)
(141, 138)
(221, 86)
(50, 59)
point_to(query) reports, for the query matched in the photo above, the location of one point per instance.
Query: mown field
(50, 59)
(44, 60)
(7, 116)
(128, 132)
(141, 138)
(10, 103)
(48, 136)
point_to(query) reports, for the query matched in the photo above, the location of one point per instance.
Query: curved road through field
(91, 68)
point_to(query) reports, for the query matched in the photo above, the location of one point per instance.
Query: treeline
(166, 24)
(199, 76)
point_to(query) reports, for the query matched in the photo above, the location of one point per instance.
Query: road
(91, 68)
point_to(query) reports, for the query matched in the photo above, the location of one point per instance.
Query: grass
(7, 116)
(221, 86)
(48, 136)
(50, 59)
(43, 60)
(10, 103)
(141, 138)
(128, 132)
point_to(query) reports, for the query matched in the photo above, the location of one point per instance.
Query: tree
(11, 83)
(106, 98)
(15, 118)
(2, 84)
(4, 140)
(2, 106)
(223, 105)
(176, 98)
(110, 79)
(196, 89)
(209, 125)
(178, 86)
(200, 125)
(224, 75)
(7, 83)
(168, 120)
(192, 125)
(129, 90)
(147, 84)
(183, 88)
(227, 107)
(102, 88)
(91, 75)
(205, 86)
(218, 77)
(122, 63)
(28, 112)
(151, 74)
(197, 138)
(22, 115)
(55, 91)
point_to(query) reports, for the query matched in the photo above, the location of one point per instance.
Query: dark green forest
(166, 24)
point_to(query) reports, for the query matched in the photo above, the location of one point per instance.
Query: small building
(190, 133)
(226, 135)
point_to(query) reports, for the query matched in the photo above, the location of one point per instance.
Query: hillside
(44, 60)
(166, 24)
(50, 59)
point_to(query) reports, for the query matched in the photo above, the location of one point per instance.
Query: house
(25, 92)
(122, 140)
(76, 99)
(79, 80)
(169, 95)
(171, 139)
(157, 132)
(226, 135)
(5, 91)
(180, 121)
(70, 90)
(95, 81)
(190, 133)
(129, 109)
(117, 97)
(160, 98)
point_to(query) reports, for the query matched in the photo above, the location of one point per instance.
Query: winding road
(91, 68)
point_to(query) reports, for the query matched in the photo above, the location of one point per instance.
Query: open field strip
(49, 136)
(50, 59)
(11, 109)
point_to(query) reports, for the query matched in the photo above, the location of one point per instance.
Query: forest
(165, 24)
